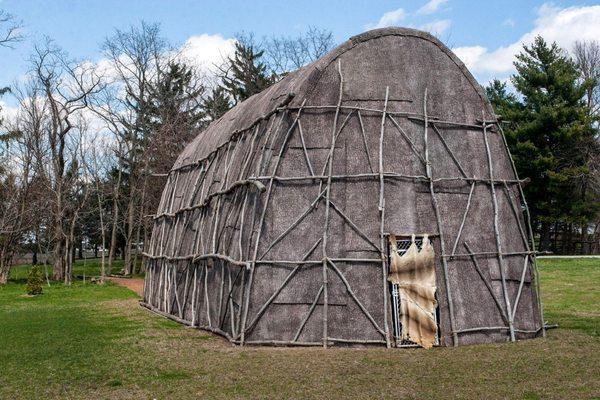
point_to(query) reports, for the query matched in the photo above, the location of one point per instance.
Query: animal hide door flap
(414, 273)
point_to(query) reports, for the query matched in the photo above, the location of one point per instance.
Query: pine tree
(173, 113)
(245, 74)
(216, 104)
(505, 103)
(34, 281)
(547, 135)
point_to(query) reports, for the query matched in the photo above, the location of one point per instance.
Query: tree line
(84, 160)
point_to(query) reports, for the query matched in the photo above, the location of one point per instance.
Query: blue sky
(485, 34)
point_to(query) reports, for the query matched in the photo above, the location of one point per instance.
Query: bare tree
(14, 211)
(10, 30)
(137, 56)
(109, 108)
(152, 106)
(98, 164)
(285, 54)
(17, 190)
(10, 33)
(587, 57)
(52, 105)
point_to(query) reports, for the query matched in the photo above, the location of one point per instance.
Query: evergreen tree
(216, 104)
(245, 74)
(34, 281)
(505, 103)
(547, 137)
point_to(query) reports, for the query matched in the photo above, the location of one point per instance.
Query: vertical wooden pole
(261, 223)
(511, 327)
(194, 295)
(327, 206)
(439, 225)
(530, 231)
(382, 245)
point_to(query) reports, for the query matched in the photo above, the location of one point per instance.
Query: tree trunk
(58, 269)
(569, 239)
(141, 220)
(584, 238)
(145, 247)
(4, 268)
(129, 238)
(595, 239)
(555, 238)
(102, 260)
(4, 274)
(69, 252)
(137, 248)
(115, 221)
(545, 236)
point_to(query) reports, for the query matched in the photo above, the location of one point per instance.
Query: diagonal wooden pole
(487, 284)
(464, 219)
(364, 140)
(287, 279)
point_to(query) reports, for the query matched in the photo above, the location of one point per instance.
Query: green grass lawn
(88, 341)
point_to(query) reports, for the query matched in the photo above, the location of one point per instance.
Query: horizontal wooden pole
(247, 182)
(194, 258)
(489, 254)
(186, 322)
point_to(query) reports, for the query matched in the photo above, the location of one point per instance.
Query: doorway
(402, 245)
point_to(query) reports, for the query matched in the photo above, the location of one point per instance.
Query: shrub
(34, 281)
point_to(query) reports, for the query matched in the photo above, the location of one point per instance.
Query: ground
(134, 284)
(95, 342)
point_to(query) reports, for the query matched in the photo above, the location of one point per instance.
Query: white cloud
(470, 55)
(390, 18)
(207, 50)
(7, 111)
(431, 6)
(563, 26)
(436, 27)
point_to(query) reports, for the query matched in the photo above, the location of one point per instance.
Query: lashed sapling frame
(163, 263)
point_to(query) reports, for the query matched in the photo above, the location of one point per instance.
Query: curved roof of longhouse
(296, 87)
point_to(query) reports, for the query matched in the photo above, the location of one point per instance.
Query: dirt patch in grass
(134, 284)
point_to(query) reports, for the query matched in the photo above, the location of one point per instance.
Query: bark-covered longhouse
(276, 223)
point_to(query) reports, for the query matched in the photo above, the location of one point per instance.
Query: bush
(34, 281)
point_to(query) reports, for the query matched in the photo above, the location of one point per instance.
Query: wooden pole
(381, 207)
(280, 288)
(439, 225)
(261, 223)
(464, 219)
(329, 162)
(364, 140)
(308, 314)
(487, 284)
(497, 234)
